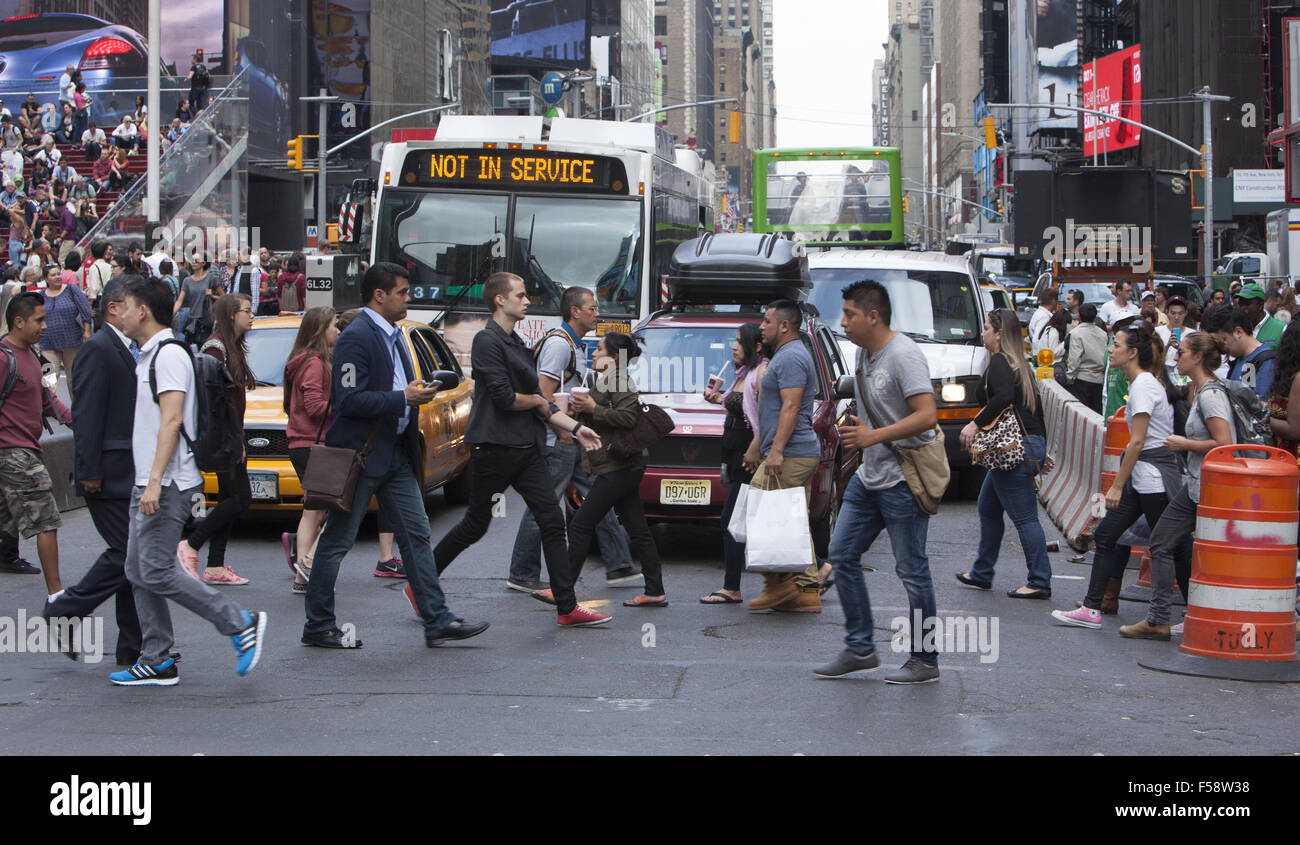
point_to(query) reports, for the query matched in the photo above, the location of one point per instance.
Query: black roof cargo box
(738, 268)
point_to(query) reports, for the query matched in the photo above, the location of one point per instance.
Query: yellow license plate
(683, 492)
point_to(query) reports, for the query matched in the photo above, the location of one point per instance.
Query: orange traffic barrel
(1240, 622)
(1113, 448)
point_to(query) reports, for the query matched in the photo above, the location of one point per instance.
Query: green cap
(1251, 291)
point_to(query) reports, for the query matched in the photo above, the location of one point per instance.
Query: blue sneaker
(165, 674)
(248, 642)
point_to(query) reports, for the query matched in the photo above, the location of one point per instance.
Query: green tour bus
(831, 197)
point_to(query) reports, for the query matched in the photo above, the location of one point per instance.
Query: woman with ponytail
(1149, 473)
(1008, 383)
(1209, 424)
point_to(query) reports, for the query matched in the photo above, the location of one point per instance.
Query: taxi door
(442, 421)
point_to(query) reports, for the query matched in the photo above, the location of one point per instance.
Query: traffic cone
(1240, 622)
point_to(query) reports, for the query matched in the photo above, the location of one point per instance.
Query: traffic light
(733, 128)
(907, 206)
(293, 153)
(999, 171)
(990, 134)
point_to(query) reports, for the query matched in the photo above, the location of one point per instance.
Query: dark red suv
(680, 348)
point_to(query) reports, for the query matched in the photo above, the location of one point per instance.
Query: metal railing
(201, 182)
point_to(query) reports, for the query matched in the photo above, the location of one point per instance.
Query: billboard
(541, 33)
(39, 38)
(340, 63)
(1113, 84)
(1056, 42)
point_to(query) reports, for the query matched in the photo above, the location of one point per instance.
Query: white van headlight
(953, 392)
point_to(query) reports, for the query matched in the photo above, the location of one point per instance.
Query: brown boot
(777, 588)
(1144, 630)
(1110, 599)
(806, 600)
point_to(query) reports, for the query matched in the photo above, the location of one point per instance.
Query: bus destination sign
(538, 170)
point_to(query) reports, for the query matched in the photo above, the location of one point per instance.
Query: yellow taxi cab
(275, 485)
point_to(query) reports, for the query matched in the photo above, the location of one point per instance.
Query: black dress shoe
(332, 638)
(457, 629)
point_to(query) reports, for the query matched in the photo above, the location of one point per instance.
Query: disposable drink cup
(715, 382)
(581, 391)
(562, 402)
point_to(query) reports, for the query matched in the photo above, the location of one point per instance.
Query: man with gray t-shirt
(893, 389)
(562, 366)
(785, 450)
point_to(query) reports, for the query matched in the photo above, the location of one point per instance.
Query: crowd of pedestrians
(542, 420)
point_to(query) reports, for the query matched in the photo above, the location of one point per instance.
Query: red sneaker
(410, 596)
(580, 617)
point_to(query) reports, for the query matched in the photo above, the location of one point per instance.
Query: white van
(936, 301)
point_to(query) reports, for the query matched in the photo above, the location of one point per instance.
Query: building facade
(684, 39)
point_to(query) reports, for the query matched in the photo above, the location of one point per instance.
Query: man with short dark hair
(168, 487)
(1120, 307)
(1252, 361)
(375, 401)
(785, 451)
(893, 380)
(506, 429)
(1073, 302)
(1043, 313)
(103, 417)
(27, 503)
(562, 366)
(1085, 367)
(100, 271)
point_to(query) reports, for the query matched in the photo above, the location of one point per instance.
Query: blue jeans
(564, 463)
(400, 498)
(863, 515)
(1011, 491)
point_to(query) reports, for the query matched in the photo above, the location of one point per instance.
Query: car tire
(456, 491)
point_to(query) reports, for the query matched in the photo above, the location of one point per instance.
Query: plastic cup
(562, 402)
(581, 391)
(715, 382)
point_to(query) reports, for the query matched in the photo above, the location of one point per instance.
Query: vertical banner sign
(1112, 84)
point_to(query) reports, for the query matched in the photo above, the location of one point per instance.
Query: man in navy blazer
(102, 420)
(375, 401)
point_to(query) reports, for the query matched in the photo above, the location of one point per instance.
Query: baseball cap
(1251, 291)
(1176, 300)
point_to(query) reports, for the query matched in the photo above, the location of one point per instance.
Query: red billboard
(1112, 84)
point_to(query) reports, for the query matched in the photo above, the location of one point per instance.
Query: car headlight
(953, 392)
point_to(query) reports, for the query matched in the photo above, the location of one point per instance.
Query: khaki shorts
(27, 504)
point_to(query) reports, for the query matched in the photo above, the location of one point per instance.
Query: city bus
(830, 196)
(599, 204)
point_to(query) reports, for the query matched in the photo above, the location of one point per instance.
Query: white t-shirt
(1110, 312)
(154, 260)
(1146, 395)
(126, 130)
(175, 371)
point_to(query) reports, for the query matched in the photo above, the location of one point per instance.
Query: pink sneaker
(224, 575)
(1084, 617)
(580, 617)
(1177, 630)
(189, 560)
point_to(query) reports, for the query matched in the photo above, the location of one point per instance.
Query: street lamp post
(323, 100)
(1206, 155)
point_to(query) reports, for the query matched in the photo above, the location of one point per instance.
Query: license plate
(265, 486)
(681, 492)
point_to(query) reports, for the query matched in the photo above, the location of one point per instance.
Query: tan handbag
(925, 469)
(330, 482)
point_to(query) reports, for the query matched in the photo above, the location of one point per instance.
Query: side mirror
(443, 380)
(844, 387)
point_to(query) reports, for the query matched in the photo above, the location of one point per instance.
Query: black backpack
(218, 445)
(202, 79)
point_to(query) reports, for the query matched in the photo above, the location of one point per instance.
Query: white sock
(55, 596)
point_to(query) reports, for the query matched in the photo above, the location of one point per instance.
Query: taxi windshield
(268, 352)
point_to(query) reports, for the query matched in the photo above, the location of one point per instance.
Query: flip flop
(725, 599)
(824, 586)
(637, 602)
(544, 596)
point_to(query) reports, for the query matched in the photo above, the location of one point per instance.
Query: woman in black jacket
(614, 404)
(1008, 383)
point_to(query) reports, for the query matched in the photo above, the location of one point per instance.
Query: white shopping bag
(776, 525)
(736, 527)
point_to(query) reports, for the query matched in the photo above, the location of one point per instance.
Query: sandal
(642, 601)
(722, 597)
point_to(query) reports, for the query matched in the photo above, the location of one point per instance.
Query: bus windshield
(820, 193)
(927, 305)
(452, 242)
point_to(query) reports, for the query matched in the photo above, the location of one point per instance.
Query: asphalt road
(718, 680)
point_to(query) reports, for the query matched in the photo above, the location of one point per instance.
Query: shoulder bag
(925, 469)
(330, 482)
